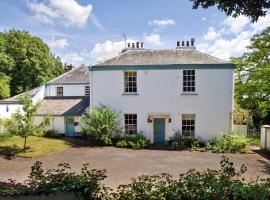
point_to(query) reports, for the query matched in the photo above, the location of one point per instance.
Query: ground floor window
(188, 124)
(130, 123)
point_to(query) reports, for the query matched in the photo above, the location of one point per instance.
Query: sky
(91, 31)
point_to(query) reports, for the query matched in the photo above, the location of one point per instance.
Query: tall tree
(4, 86)
(252, 84)
(27, 60)
(250, 8)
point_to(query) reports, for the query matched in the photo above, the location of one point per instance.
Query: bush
(230, 143)
(137, 141)
(102, 124)
(180, 142)
(53, 134)
(226, 183)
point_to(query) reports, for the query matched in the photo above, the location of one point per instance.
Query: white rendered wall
(57, 123)
(68, 90)
(159, 91)
(12, 108)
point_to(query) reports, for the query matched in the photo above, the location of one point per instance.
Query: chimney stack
(186, 44)
(70, 67)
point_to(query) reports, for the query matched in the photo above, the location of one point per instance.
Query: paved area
(123, 164)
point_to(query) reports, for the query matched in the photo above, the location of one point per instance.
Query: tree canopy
(252, 83)
(250, 8)
(27, 61)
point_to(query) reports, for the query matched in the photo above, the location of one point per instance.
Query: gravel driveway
(123, 164)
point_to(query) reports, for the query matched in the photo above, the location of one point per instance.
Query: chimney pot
(183, 43)
(137, 45)
(187, 43)
(128, 45)
(178, 44)
(142, 45)
(192, 42)
(133, 45)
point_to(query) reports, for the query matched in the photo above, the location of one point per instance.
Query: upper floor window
(130, 123)
(87, 90)
(189, 80)
(59, 91)
(188, 124)
(130, 80)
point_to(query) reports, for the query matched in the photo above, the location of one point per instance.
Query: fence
(253, 133)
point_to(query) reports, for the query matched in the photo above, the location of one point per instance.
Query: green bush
(224, 184)
(53, 134)
(137, 141)
(101, 124)
(180, 142)
(230, 143)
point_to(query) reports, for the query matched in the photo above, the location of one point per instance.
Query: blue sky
(87, 31)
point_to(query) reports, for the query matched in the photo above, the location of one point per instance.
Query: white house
(65, 98)
(161, 92)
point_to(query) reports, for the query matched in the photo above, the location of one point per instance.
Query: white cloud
(60, 43)
(236, 25)
(108, 49)
(68, 12)
(204, 19)
(211, 34)
(162, 22)
(152, 38)
(73, 58)
(225, 44)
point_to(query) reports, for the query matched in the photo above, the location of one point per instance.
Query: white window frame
(129, 130)
(189, 81)
(126, 85)
(188, 124)
(57, 91)
(87, 90)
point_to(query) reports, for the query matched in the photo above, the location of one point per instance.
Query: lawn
(36, 146)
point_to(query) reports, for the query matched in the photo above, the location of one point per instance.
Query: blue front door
(70, 128)
(159, 131)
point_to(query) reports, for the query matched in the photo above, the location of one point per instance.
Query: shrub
(180, 142)
(230, 143)
(53, 134)
(137, 141)
(102, 124)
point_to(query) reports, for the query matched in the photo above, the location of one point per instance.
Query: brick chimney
(70, 67)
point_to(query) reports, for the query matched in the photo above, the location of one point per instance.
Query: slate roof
(14, 99)
(63, 106)
(78, 75)
(161, 57)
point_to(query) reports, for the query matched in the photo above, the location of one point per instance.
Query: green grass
(36, 146)
(253, 140)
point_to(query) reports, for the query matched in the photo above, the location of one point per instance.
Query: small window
(188, 80)
(130, 123)
(188, 125)
(59, 91)
(130, 82)
(87, 90)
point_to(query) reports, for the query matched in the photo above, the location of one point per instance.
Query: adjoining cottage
(65, 98)
(163, 92)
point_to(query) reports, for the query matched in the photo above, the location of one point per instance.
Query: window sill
(130, 94)
(189, 93)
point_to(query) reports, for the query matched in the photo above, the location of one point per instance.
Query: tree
(252, 82)
(250, 8)
(4, 86)
(22, 123)
(27, 60)
(101, 123)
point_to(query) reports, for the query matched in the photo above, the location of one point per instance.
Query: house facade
(164, 92)
(64, 98)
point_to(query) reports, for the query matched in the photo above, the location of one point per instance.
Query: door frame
(163, 118)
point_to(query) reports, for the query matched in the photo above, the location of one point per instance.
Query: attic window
(59, 91)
